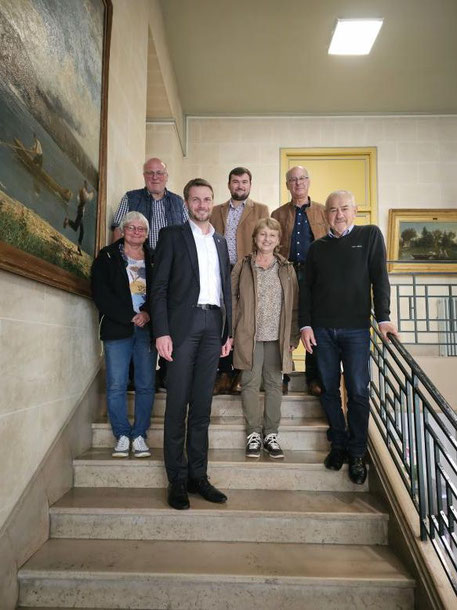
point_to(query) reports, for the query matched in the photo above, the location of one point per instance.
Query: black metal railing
(419, 428)
(424, 306)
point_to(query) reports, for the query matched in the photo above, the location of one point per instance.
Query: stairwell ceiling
(263, 57)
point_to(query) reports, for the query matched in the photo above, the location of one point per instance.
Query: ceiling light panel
(354, 36)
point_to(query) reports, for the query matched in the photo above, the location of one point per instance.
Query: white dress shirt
(208, 266)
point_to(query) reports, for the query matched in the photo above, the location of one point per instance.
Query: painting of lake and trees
(423, 240)
(51, 97)
(428, 241)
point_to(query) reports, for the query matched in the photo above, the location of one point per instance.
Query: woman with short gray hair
(121, 280)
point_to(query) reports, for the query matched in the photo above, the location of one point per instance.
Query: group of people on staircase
(223, 294)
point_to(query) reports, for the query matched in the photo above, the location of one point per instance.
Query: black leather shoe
(203, 487)
(357, 470)
(314, 388)
(177, 495)
(335, 459)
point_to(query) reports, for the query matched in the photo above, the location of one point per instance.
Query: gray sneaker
(122, 447)
(253, 445)
(272, 447)
(140, 449)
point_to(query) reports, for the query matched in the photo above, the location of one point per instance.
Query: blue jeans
(351, 348)
(118, 354)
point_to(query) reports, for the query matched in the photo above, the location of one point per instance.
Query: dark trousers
(225, 365)
(190, 383)
(311, 369)
(351, 348)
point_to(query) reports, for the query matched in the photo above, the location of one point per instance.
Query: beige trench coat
(244, 307)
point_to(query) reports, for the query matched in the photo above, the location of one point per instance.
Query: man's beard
(237, 197)
(192, 216)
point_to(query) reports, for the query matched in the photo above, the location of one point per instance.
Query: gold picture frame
(422, 240)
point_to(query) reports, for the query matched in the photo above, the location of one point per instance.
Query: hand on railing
(388, 328)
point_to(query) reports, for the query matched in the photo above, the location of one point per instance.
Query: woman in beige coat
(265, 331)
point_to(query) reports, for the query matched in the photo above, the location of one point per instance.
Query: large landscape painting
(52, 137)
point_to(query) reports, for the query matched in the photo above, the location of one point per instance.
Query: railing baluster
(416, 300)
(420, 430)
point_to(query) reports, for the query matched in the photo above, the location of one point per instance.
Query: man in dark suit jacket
(191, 313)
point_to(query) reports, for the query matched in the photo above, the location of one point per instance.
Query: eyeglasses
(159, 174)
(298, 179)
(134, 229)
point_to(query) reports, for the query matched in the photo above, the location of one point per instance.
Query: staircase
(292, 535)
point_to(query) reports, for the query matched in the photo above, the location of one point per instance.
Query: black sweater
(340, 274)
(111, 291)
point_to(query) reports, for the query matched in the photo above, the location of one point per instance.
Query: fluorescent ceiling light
(354, 36)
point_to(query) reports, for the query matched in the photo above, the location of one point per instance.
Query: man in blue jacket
(161, 207)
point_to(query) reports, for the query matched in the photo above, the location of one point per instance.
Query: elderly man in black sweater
(345, 272)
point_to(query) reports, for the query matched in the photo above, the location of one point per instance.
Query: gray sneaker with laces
(272, 447)
(253, 445)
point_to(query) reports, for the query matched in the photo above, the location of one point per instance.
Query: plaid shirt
(156, 213)
(233, 219)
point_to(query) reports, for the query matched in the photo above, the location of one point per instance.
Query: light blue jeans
(118, 353)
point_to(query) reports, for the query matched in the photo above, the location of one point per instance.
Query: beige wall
(48, 357)
(50, 351)
(162, 141)
(127, 100)
(417, 156)
(157, 29)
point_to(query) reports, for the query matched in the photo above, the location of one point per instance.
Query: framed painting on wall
(422, 240)
(53, 92)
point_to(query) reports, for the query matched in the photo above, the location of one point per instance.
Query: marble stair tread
(313, 458)
(238, 422)
(140, 500)
(295, 404)
(248, 516)
(230, 561)
(229, 468)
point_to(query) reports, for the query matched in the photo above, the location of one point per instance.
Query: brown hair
(269, 223)
(239, 171)
(196, 182)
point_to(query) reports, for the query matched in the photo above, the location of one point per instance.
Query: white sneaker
(122, 447)
(140, 449)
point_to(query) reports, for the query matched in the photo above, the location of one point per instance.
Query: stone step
(297, 382)
(230, 469)
(211, 575)
(248, 516)
(230, 433)
(293, 405)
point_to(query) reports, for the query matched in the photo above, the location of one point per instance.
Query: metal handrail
(424, 306)
(419, 428)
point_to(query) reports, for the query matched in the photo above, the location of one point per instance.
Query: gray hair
(131, 217)
(341, 193)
